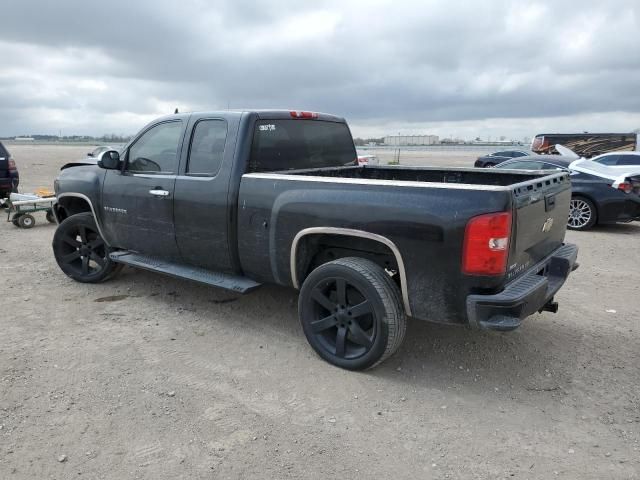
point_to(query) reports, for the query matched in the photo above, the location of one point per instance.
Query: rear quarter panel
(426, 224)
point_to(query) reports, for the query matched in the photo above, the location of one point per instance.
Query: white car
(619, 160)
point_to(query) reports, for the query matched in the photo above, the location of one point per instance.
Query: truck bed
(468, 176)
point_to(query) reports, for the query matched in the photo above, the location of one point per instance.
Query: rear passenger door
(202, 214)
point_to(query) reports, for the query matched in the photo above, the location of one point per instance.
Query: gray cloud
(89, 67)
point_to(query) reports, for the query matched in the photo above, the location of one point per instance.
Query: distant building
(406, 140)
(24, 139)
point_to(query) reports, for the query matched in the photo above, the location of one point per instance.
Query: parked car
(495, 158)
(237, 199)
(599, 195)
(9, 177)
(619, 160)
(98, 150)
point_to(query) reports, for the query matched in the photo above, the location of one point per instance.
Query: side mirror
(109, 160)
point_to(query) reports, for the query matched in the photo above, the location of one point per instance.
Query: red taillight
(626, 187)
(295, 114)
(12, 165)
(486, 244)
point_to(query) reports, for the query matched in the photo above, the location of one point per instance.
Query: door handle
(159, 193)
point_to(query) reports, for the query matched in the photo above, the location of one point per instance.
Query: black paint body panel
(245, 224)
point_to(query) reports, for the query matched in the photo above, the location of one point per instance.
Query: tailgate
(541, 209)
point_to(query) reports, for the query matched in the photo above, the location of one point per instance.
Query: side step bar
(200, 275)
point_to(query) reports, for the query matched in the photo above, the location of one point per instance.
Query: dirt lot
(150, 377)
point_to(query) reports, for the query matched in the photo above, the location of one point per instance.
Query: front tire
(582, 214)
(81, 252)
(351, 313)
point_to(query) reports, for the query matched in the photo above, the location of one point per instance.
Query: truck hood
(80, 163)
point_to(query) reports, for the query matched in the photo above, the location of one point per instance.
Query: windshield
(299, 144)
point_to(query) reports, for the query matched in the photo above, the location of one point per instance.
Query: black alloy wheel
(81, 252)
(351, 313)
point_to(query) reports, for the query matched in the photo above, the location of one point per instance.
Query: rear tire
(582, 214)
(81, 252)
(352, 313)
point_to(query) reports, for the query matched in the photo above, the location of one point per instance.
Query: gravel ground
(151, 377)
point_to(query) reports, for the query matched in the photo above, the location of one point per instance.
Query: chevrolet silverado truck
(237, 199)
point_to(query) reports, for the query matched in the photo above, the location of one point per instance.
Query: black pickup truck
(237, 199)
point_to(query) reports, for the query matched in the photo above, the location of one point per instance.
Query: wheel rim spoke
(322, 299)
(323, 324)
(85, 264)
(341, 290)
(361, 309)
(70, 257)
(97, 258)
(71, 241)
(358, 335)
(340, 341)
(82, 231)
(579, 213)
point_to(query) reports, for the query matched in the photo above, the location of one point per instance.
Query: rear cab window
(207, 147)
(300, 144)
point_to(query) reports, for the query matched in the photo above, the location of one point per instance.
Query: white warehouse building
(405, 140)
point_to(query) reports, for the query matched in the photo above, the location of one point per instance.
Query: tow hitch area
(550, 306)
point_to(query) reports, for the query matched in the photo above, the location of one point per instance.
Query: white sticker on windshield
(268, 128)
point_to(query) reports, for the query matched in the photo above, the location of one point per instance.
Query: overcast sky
(464, 68)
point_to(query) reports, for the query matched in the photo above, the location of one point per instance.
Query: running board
(196, 274)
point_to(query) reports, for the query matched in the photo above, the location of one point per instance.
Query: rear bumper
(625, 210)
(530, 293)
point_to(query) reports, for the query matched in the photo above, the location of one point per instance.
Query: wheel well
(316, 249)
(68, 206)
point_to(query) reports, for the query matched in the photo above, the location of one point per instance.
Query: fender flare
(89, 202)
(353, 233)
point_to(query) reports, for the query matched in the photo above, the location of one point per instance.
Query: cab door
(203, 216)
(138, 201)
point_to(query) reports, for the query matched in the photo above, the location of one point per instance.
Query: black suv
(9, 177)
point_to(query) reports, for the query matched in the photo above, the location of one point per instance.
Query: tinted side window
(298, 144)
(523, 165)
(628, 160)
(207, 147)
(608, 160)
(551, 166)
(519, 154)
(156, 151)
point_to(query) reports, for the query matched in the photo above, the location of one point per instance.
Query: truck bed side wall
(427, 226)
